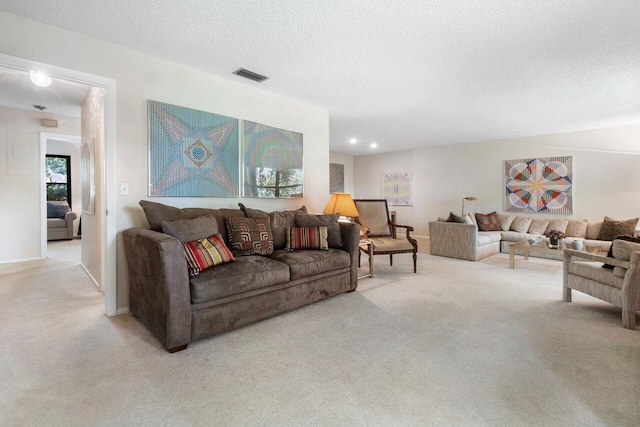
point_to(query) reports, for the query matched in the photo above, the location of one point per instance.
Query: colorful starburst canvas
(539, 185)
(192, 153)
(397, 188)
(272, 161)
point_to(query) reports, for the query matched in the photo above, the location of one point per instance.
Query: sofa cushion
(538, 226)
(488, 222)
(483, 240)
(329, 221)
(56, 223)
(249, 236)
(622, 249)
(187, 230)
(310, 263)
(156, 213)
(505, 221)
(245, 274)
(593, 228)
(494, 236)
(593, 271)
(521, 224)
(577, 228)
(280, 220)
(612, 228)
(559, 224)
(57, 209)
(307, 238)
(514, 236)
(204, 253)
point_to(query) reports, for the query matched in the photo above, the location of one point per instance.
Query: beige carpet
(459, 343)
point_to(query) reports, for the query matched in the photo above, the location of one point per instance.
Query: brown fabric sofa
(179, 309)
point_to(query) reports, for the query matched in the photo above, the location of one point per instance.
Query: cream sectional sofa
(464, 241)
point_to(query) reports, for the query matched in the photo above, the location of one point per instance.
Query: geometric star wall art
(542, 184)
(192, 153)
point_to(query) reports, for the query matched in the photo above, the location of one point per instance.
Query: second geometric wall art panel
(542, 184)
(192, 153)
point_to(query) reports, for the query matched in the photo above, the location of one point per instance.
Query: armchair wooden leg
(359, 256)
(415, 262)
(628, 318)
(391, 259)
(567, 294)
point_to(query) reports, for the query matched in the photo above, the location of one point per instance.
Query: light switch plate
(124, 188)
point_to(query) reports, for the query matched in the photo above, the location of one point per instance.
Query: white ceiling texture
(403, 74)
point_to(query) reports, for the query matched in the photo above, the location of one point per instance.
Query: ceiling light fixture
(353, 140)
(373, 145)
(39, 79)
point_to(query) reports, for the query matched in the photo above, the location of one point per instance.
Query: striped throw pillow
(307, 238)
(204, 253)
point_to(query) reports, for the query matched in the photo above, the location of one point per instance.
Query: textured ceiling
(405, 73)
(61, 97)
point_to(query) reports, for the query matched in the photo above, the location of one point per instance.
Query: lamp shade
(342, 203)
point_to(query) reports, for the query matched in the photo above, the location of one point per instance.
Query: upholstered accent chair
(618, 285)
(374, 218)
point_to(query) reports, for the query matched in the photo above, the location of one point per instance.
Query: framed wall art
(397, 188)
(192, 153)
(272, 161)
(336, 178)
(542, 184)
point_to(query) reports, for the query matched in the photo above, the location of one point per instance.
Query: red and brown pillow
(249, 236)
(307, 238)
(205, 253)
(488, 222)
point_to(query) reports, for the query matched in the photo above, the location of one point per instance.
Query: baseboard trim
(93, 280)
(419, 237)
(21, 260)
(123, 310)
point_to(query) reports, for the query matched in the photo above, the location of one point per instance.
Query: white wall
(21, 181)
(65, 148)
(347, 161)
(141, 77)
(606, 174)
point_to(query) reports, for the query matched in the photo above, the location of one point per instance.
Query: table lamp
(341, 203)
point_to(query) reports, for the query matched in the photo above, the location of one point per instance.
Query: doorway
(105, 245)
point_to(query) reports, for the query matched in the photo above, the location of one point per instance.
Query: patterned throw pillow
(249, 236)
(204, 253)
(307, 238)
(488, 222)
(612, 228)
(330, 221)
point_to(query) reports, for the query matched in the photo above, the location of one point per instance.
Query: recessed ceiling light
(353, 140)
(373, 145)
(40, 79)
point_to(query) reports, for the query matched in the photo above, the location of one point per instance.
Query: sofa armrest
(69, 217)
(453, 240)
(351, 243)
(570, 253)
(159, 292)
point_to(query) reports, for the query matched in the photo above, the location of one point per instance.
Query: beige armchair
(61, 228)
(619, 286)
(373, 216)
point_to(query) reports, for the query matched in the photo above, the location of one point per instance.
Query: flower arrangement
(555, 234)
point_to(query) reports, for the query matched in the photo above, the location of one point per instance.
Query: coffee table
(527, 246)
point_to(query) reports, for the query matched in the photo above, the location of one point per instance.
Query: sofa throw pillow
(621, 252)
(187, 230)
(577, 228)
(505, 221)
(307, 238)
(488, 222)
(57, 210)
(521, 224)
(538, 226)
(204, 253)
(559, 224)
(455, 218)
(249, 236)
(469, 219)
(280, 220)
(330, 221)
(612, 228)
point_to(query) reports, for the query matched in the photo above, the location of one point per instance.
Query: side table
(366, 246)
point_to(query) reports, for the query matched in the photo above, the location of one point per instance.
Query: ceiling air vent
(250, 75)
